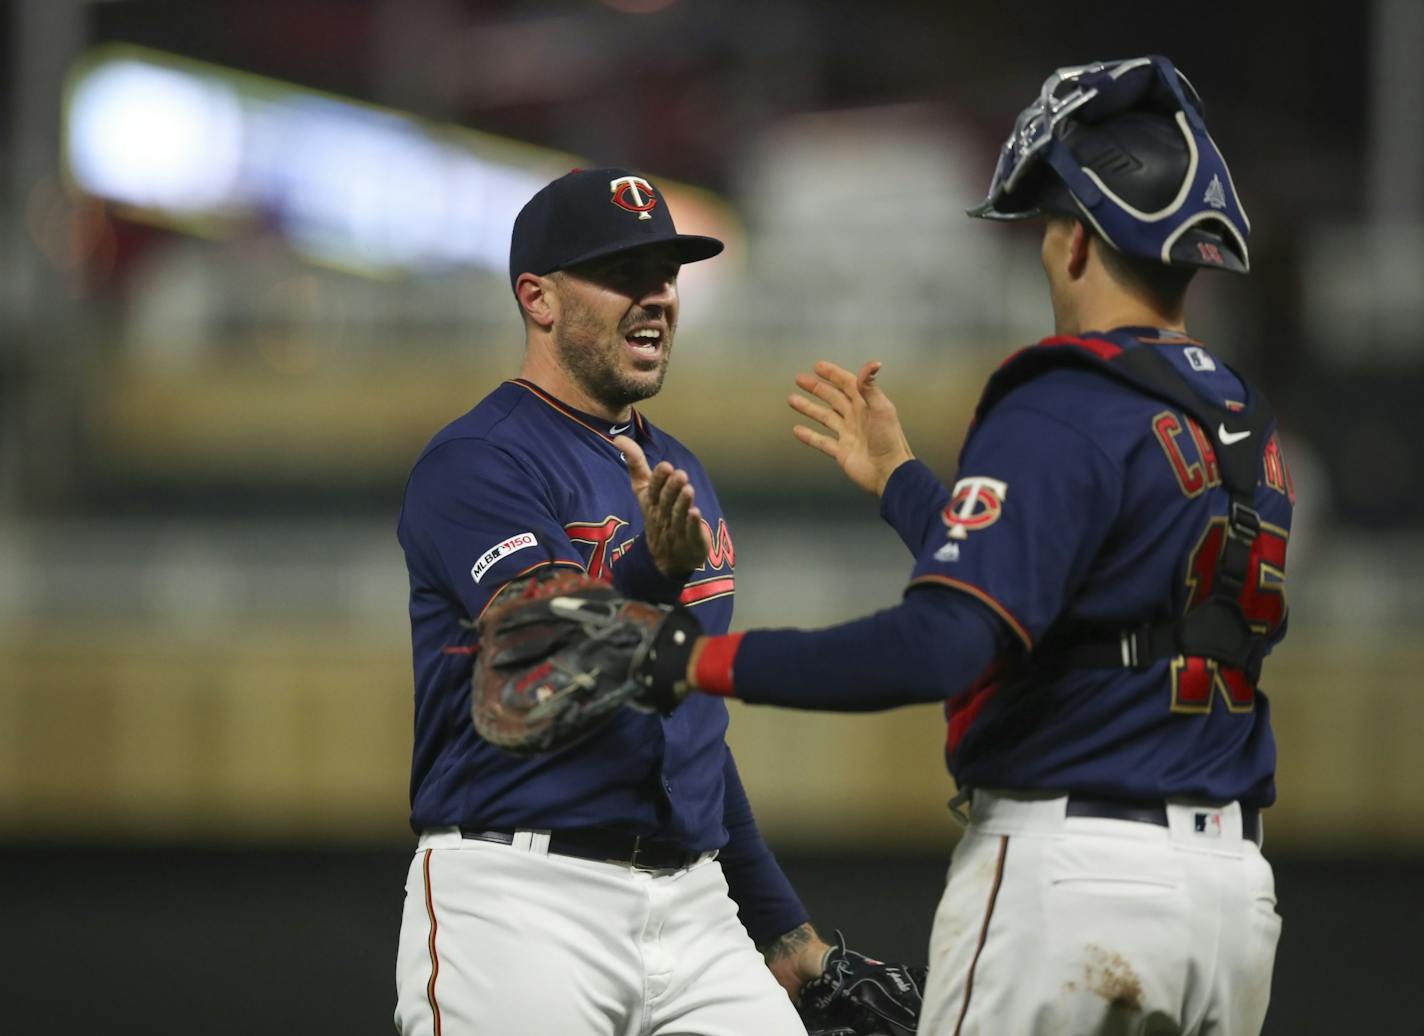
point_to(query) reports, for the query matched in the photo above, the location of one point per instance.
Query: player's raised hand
(677, 537)
(867, 441)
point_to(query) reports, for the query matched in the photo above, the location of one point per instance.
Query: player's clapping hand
(677, 537)
(868, 442)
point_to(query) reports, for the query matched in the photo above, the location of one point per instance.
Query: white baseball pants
(501, 940)
(1081, 926)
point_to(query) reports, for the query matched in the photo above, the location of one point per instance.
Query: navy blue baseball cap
(590, 213)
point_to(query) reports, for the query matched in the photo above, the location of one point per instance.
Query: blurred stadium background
(254, 257)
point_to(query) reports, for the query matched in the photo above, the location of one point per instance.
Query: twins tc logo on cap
(501, 551)
(634, 194)
(976, 504)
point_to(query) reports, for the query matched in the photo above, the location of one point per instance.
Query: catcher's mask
(1123, 145)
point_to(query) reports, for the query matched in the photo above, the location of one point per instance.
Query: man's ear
(537, 299)
(1078, 245)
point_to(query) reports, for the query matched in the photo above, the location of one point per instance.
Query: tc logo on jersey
(976, 504)
(500, 551)
(634, 194)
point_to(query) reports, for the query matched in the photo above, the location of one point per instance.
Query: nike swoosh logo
(619, 431)
(1228, 438)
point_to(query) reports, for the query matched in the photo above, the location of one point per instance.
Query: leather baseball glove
(561, 652)
(858, 996)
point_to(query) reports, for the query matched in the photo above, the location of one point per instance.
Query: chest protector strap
(1215, 628)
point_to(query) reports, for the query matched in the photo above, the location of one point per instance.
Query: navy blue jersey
(1081, 500)
(1084, 503)
(521, 481)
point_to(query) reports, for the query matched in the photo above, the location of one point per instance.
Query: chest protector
(1216, 628)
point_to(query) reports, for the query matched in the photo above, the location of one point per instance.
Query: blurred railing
(252, 682)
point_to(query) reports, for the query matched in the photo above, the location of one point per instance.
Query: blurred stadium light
(154, 137)
(372, 191)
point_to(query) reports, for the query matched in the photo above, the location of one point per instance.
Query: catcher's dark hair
(1165, 287)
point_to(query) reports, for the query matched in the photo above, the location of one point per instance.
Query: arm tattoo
(788, 944)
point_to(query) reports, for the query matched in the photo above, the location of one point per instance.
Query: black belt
(1152, 813)
(607, 844)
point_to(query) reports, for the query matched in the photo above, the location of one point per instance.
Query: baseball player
(1092, 599)
(617, 886)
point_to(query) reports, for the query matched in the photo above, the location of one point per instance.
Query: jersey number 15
(1263, 602)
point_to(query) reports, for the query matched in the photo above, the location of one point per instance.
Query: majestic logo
(1228, 438)
(1198, 358)
(501, 551)
(949, 552)
(976, 504)
(634, 194)
(1215, 195)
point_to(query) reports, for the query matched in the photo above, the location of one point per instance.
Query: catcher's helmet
(1122, 144)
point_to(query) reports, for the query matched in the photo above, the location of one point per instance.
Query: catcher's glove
(857, 996)
(561, 651)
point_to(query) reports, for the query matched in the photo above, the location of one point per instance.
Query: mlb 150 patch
(500, 551)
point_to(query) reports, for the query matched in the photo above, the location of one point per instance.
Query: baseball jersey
(521, 481)
(1080, 502)
(1083, 502)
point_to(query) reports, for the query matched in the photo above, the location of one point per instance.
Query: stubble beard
(599, 366)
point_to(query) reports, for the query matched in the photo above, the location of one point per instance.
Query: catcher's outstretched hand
(858, 996)
(672, 525)
(867, 441)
